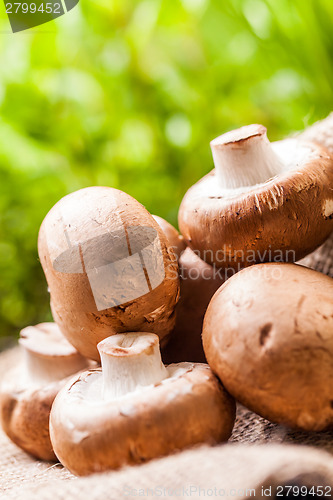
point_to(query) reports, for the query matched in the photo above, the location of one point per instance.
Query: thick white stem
(48, 356)
(42, 370)
(244, 157)
(130, 361)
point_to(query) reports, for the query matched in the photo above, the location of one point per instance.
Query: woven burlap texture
(321, 259)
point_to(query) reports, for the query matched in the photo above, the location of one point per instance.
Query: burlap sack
(228, 470)
(322, 259)
(321, 133)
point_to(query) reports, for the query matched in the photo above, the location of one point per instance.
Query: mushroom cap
(24, 416)
(176, 240)
(268, 335)
(108, 268)
(25, 401)
(198, 283)
(284, 218)
(92, 435)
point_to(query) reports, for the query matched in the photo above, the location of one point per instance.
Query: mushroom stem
(244, 157)
(130, 361)
(42, 369)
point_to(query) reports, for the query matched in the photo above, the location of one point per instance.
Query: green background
(128, 94)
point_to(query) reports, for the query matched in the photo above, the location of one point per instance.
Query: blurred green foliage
(128, 94)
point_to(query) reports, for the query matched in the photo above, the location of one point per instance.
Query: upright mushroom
(263, 202)
(108, 268)
(28, 391)
(268, 335)
(136, 409)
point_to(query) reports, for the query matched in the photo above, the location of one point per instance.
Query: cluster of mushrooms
(156, 334)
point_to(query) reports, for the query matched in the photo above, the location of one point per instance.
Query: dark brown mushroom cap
(268, 335)
(198, 283)
(26, 398)
(284, 218)
(108, 268)
(91, 435)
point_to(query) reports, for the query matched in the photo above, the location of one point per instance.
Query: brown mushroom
(263, 202)
(176, 240)
(28, 391)
(136, 409)
(268, 335)
(198, 283)
(108, 268)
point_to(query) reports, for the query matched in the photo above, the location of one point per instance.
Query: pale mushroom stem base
(244, 157)
(130, 361)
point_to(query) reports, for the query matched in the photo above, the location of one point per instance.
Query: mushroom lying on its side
(28, 391)
(198, 283)
(263, 202)
(268, 335)
(136, 409)
(108, 268)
